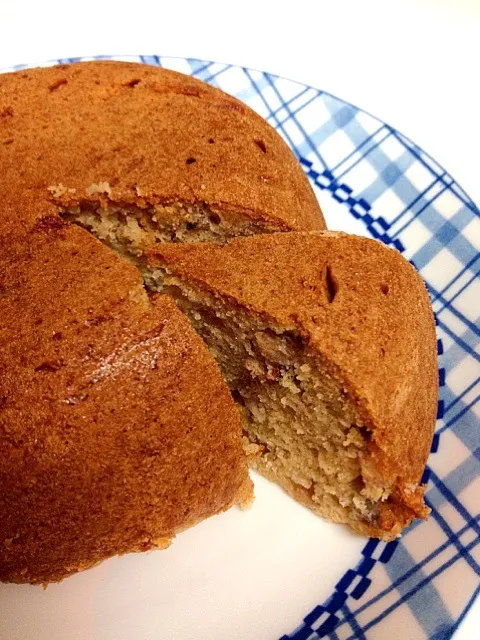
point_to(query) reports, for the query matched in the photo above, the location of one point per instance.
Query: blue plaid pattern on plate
(423, 584)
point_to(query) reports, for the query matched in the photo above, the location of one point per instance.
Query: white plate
(277, 570)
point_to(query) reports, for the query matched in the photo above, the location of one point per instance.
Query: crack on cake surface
(331, 284)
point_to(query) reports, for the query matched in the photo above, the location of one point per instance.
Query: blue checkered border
(395, 190)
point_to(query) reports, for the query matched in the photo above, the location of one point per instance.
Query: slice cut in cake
(327, 342)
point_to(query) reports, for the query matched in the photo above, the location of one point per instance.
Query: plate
(278, 571)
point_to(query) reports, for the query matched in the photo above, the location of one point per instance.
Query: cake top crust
(144, 135)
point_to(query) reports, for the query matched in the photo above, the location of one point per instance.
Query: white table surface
(414, 64)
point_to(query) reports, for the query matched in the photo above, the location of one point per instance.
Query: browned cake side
(340, 334)
(116, 428)
(172, 148)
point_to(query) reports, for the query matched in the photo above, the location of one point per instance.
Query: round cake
(117, 429)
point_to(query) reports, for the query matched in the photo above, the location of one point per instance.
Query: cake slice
(116, 429)
(327, 343)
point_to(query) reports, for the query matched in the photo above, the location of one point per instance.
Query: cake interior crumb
(131, 230)
(300, 428)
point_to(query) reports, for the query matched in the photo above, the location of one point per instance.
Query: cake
(132, 197)
(327, 342)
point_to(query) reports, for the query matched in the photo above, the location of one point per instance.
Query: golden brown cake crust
(116, 428)
(153, 136)
(365, 310)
